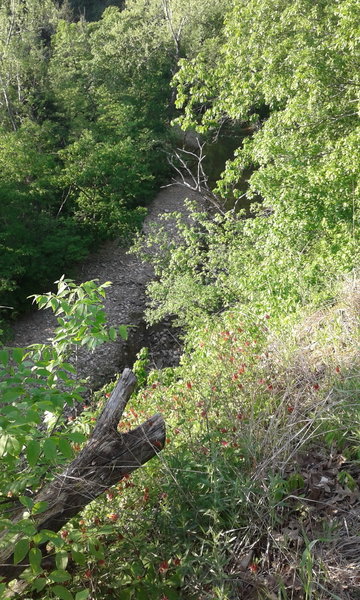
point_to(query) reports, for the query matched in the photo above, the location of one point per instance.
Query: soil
(125, 302)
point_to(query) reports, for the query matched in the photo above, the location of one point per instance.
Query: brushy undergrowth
(257, 491)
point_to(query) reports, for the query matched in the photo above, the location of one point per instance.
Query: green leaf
(65, 448)
(44, 535)
(59, 575)
(78, 557)
(112, 333)
(62, 559)
(77, 436)
(4, 357)
(69, 367)
(26, 526)
(49, 449)
(96, 550)
(82, 595)
(125, 595)
(39, 507)
(27, 502)
(35, 558)
(3, 444)
(21, 550)
(62, 592)
(18, 354)
(33, 450)
(123, 332)
(39, 583)
(14, 445)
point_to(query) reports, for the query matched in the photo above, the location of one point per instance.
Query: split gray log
(105, 460)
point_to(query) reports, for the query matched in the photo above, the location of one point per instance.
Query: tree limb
(106, 459)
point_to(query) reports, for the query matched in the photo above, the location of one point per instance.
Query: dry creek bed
(125, 302)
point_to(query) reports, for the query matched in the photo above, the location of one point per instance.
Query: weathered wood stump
(105, 460)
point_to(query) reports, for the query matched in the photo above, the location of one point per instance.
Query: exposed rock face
(125, 303)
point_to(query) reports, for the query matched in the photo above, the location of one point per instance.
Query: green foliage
(38, 385)
(283, 61)
(236, 410)
(85, 115)
(38, 382)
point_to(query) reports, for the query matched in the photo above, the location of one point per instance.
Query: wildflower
(163, 567)
(113, 517)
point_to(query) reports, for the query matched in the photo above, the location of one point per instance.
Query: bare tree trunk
(105, 460)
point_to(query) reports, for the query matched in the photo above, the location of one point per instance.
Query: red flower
(189, 385)
(253, 567)
(176, 561)
(316, 386)
(163, 567)
(113, 517)
(337, 369)
(223, 443)
(290, 409)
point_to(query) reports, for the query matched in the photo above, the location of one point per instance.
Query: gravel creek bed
(125, 302)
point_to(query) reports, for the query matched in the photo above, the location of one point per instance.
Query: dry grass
(304, 534)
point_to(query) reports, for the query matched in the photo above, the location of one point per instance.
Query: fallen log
(105, 460)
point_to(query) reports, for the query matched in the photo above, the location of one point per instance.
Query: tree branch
(105, 460)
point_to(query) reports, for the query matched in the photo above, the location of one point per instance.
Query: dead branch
(105, 460)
